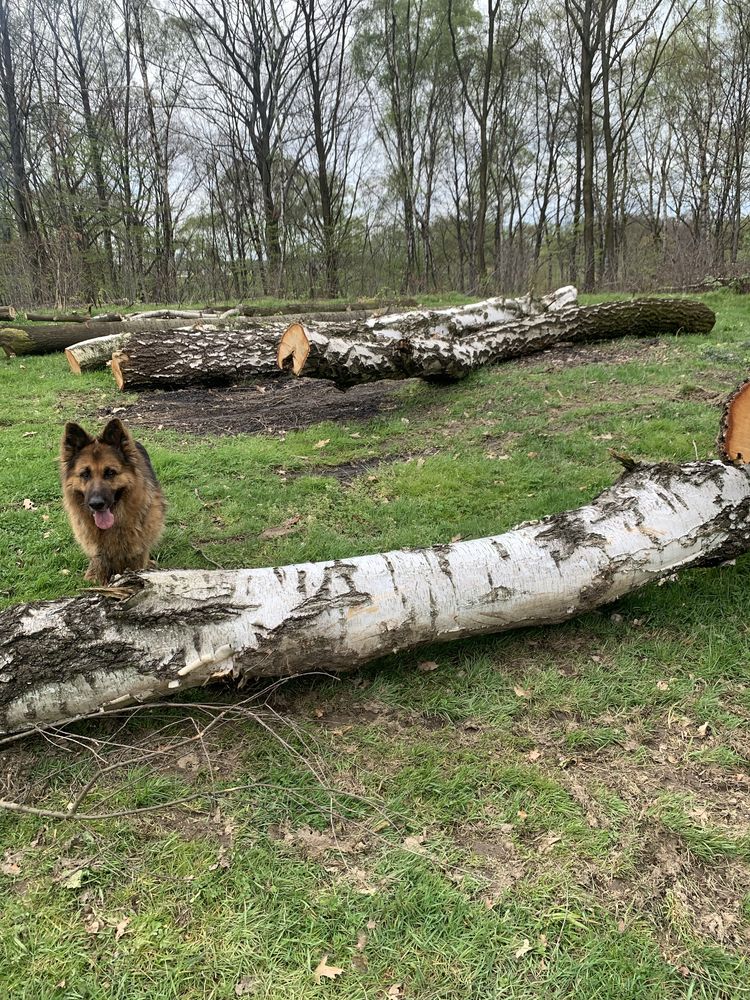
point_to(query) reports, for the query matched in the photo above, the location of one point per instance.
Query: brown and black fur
(111, 472)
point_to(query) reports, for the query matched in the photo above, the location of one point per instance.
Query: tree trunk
(48, 338)
(91, 355)
(7, 312)
(170, 314)
(33, 317)
(156, 633)
(214, 355)
(390, 347)
(350, 356)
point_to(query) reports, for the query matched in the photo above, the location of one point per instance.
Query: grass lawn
(552, 813)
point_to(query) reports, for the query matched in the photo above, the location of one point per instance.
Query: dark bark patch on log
(566, 533)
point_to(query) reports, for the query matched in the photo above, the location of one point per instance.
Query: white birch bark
(183, 628)
(90, 355)
(457, 321)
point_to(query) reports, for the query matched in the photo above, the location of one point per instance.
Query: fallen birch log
(170, 314)
(7, 312)
(90, 355)
(211, 354)
(203, 355)
(349, 352)
(108, 318)
(349, 356)
(156, 633)
(34, 317)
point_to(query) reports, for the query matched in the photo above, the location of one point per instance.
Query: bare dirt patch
(575, 355)
(267, 406)
(649, 865)
(272, 406)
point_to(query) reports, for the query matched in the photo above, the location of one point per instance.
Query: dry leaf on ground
(326, 971)
(525, 947)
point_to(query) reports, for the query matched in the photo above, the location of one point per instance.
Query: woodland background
(198, 149)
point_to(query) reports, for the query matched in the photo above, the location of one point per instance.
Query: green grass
(543, 815)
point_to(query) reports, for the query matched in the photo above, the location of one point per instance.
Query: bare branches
(208, 149)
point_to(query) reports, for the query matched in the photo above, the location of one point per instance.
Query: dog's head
(98, 472)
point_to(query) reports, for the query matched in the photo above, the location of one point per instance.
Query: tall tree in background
(484, 59)
(250, 56)
(17, 117)
(211, 149)
(330, 93)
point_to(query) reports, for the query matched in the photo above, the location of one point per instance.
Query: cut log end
(72, 362)
(119, 358)
(734, 436)
(295, 345)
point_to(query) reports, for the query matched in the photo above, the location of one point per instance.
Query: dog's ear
(74, 440)
(116, 435)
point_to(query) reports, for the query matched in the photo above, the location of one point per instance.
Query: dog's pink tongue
(104, 519)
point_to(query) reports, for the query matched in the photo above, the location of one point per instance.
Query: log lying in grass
(211, 354)
(156, 633)
(90, 355)
(351, 356)
(108, 318)
(366, 350)
(459, 321)
(7, 312)
(201, 355)
(170, 314)
(49, 338)
(46, 338)
(56, 317)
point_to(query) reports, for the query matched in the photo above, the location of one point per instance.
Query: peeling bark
(90, 355)
(210, 354)
(349, 357)
(184, 628)
(348, 352)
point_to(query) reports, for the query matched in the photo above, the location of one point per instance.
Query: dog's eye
(85, 474)
(109, 473)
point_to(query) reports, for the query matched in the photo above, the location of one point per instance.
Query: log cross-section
(734, 434)
(181, 628)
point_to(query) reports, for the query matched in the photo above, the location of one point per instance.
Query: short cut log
(171, 630)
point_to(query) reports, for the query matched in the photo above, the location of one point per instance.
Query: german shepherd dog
(112, 498)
